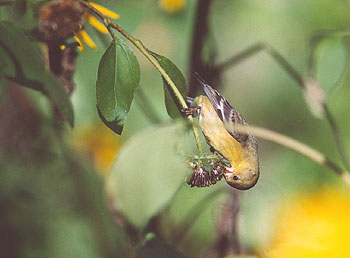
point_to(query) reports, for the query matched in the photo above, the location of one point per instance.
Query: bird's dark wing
(225, 111)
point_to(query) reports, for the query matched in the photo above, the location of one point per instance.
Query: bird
(239, 149)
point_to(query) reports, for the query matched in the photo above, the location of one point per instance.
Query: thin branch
(314, 42)
(139, 45)
(256, 48)
(337, 137)
(241, 56)
(292, 144)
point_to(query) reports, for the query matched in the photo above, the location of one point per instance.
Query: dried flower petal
(200, 177)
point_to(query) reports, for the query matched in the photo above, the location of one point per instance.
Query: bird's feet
(191, 111)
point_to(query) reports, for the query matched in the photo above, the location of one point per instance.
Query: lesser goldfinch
(239, 149)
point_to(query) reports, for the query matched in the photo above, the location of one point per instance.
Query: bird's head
(241, 178)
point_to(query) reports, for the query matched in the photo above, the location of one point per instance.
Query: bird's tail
(212, 94)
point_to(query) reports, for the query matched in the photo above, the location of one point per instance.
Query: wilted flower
(200, 176)
(217, 172)
(62, 19)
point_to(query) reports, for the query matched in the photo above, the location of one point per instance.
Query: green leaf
(117, 80)
(147, 173)
(172, 104)
(331, 63)
(24, 65)
(155, 247)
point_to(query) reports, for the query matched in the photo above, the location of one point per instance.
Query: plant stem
(139, 45)
(256, 48)
(337, 137)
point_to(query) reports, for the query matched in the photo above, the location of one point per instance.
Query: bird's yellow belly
(214, 130)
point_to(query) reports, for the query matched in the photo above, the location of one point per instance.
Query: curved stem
(139, 45)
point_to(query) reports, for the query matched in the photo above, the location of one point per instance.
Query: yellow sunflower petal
(78, 38)
(87, 39)
(105, 11)
(97, 24)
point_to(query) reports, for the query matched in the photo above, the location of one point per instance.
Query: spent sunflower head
(62, 19)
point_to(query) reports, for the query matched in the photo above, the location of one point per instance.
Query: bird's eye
(235, 177)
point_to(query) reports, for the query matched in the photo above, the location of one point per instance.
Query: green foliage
(117, 80)
(147, 173)
(155, 247)
(54, 203)
(171, 101)
(24, 65)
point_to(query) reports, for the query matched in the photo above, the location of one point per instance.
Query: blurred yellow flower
(172, 5)
(100, 143)
(316, 225)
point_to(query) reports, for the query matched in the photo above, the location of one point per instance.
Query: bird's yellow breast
(218, 137)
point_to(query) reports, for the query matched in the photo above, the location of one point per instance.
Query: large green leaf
(171, 102)
(147, 172)
(24, 65)
(117, 80)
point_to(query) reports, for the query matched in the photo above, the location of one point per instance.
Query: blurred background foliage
(52, 178)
